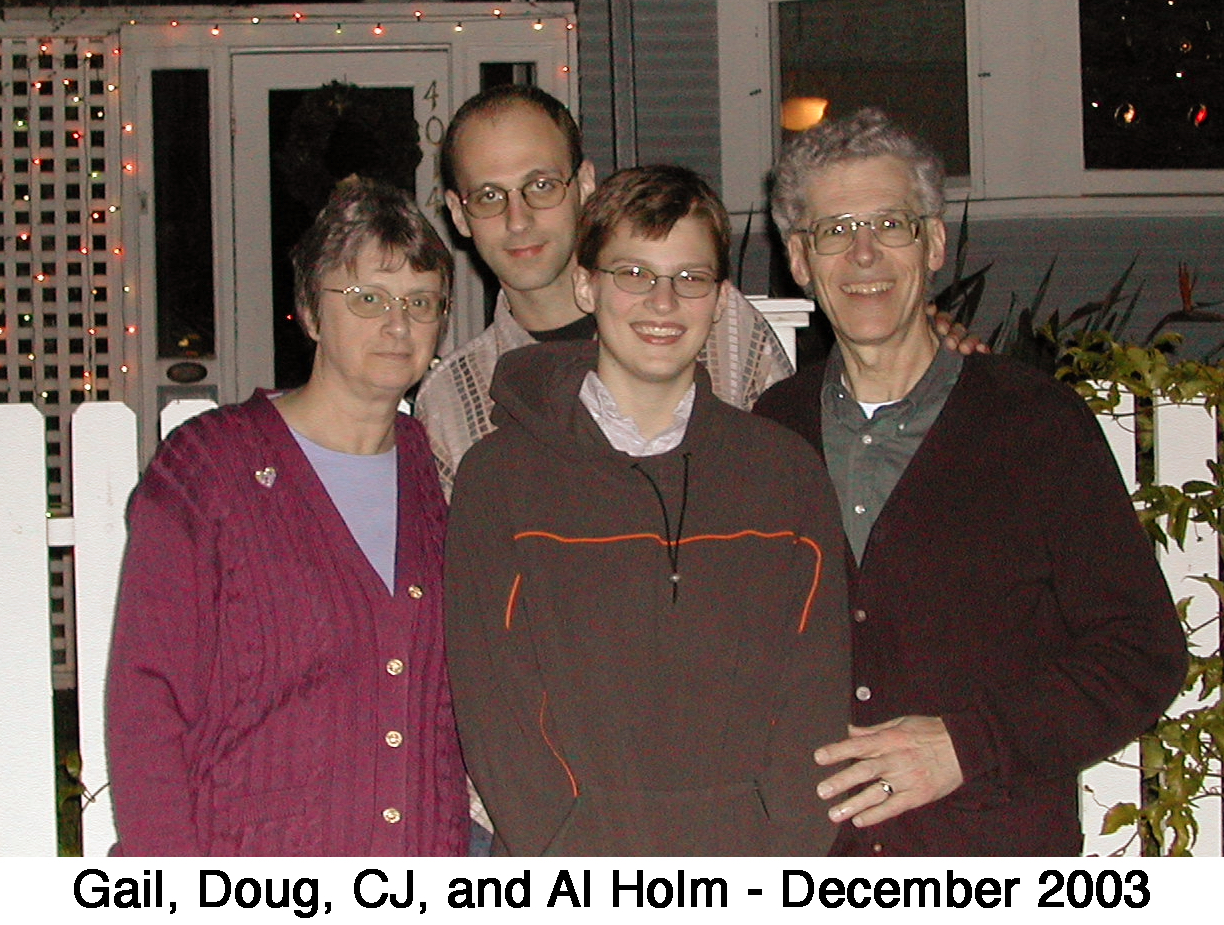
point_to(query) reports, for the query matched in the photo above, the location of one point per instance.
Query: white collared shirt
(622, 431)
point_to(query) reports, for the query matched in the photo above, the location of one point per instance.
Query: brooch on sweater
(266, 476)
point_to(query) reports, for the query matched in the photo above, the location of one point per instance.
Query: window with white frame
(1027, 88)
(906, 57)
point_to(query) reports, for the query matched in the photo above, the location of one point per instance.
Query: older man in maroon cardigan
(1009, 622)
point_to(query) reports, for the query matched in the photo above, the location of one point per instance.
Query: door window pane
(317, 138)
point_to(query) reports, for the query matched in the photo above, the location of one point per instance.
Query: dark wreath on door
(318, 137)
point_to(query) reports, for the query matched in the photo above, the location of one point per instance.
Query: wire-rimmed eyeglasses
(490, 201)
(834, 234)
(372, 301)
(687, 284)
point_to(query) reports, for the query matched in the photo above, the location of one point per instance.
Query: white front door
(208, 218)
(366, 103)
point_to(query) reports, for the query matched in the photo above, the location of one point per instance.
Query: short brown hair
(651, 200)
(361, 211)
(499, 99)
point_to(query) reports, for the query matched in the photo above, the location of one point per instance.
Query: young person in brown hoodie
(646, 619)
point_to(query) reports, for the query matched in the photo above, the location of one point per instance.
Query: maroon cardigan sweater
(255, 665)
(1007, 587)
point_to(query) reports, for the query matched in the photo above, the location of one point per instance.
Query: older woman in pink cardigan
(277, 684)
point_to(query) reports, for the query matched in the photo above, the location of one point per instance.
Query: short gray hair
(865, 134)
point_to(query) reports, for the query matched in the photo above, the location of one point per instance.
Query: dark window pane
(1153, 84)
(186, 324)
(906, 57)
(497, 73)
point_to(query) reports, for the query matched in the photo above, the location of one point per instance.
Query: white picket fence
(104, 471)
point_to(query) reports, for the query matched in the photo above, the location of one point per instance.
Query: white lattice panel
(60, 276)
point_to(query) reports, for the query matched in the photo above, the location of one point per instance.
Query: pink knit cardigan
(267, 695)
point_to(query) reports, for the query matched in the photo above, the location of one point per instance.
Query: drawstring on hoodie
(673, 545)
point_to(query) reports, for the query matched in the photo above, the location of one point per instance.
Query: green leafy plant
(1180, 757)
(1180, 761)
(68, 792)
(1192, 311)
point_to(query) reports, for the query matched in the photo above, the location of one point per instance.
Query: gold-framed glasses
(373, 301)
(834, 234)
(687, 284)
(490, 201)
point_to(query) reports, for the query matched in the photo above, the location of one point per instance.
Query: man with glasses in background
(515, 180)
(1009, 625)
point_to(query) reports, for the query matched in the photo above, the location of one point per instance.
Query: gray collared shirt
(866, 456)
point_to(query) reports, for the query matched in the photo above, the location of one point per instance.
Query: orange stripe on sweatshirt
(654, 537)
(807, 605)
(512, 600)
(552, 748)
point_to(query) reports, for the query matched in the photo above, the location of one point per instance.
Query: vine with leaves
(1181, 756)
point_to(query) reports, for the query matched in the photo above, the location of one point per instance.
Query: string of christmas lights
(379, 24)
(98, 245)
(60, 94)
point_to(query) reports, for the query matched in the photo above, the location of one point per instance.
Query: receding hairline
(497, 108)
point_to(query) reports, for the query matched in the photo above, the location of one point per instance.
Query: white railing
(104, 471)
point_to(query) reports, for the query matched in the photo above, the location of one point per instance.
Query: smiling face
(652, 340)
(873, 295)
(373, 357)
(530, 250)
